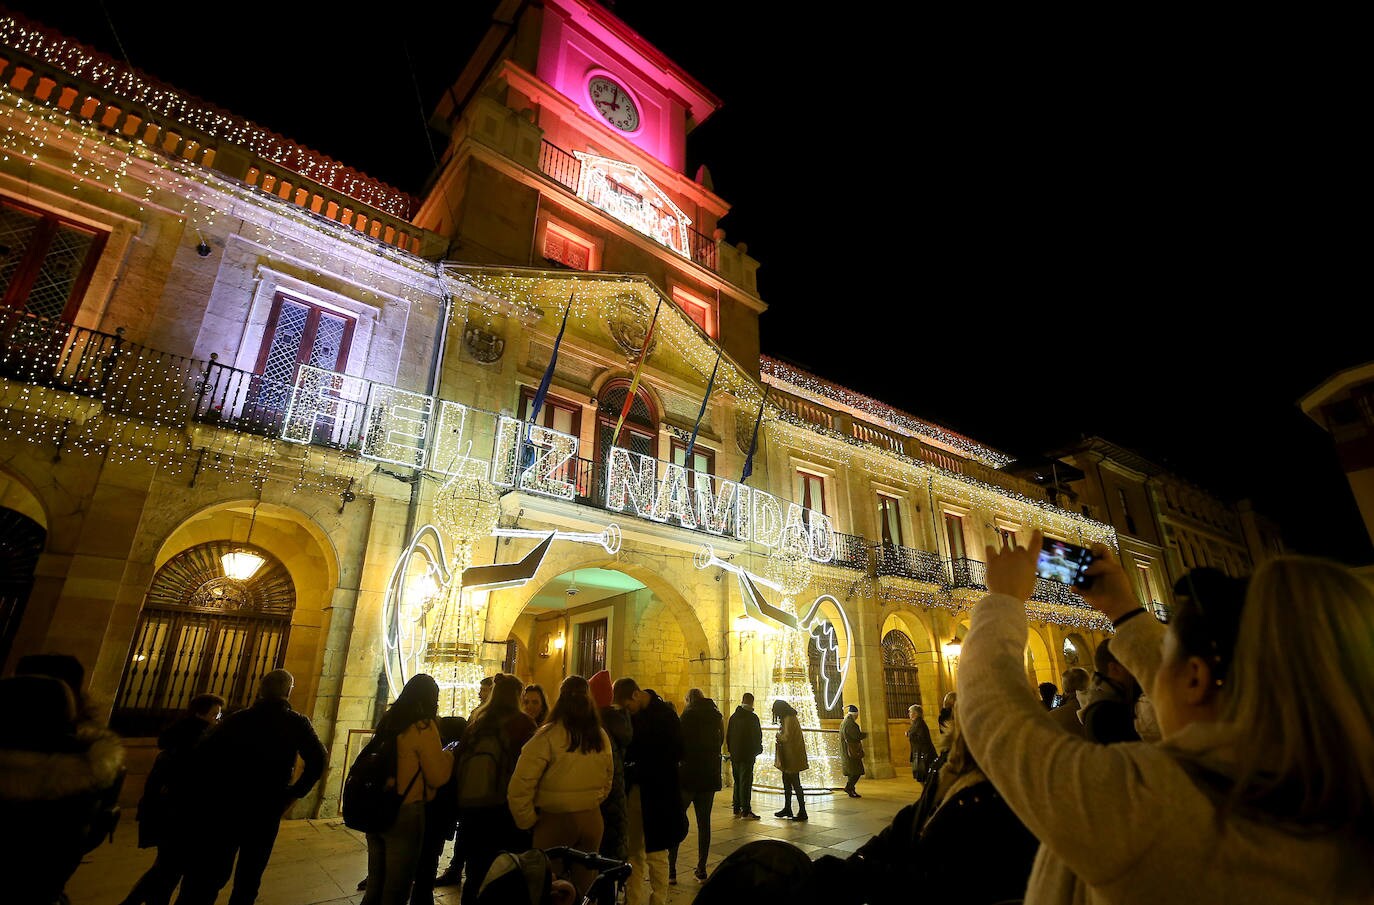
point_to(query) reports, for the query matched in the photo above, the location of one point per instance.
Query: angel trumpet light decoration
(791, 679)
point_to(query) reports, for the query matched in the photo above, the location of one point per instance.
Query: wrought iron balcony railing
(51, 353)
(851, 551)
(254, 404)
(906, 562)
(968, 573)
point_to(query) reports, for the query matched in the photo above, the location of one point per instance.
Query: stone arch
(1041, 665)
(1076, 651)
(294, 537)
(17, 494)
(702, 650)
(923, 639)
(23, 539)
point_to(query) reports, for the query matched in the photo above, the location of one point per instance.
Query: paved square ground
(319, 862)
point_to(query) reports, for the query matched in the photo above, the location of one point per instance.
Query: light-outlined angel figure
(758, 607)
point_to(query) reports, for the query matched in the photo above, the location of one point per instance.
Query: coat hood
(49, 776)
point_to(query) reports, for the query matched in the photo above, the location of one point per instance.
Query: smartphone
(1065, 563)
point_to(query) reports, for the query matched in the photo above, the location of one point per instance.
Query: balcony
(851, 551)
(57, 355)
(905, 562)
(968, 573)
(1056, 592)
(254, 404)
(565, 169)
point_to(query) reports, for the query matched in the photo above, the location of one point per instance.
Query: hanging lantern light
(242, 563)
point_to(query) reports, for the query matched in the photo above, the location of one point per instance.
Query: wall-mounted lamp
(559, 642)
(953, 647)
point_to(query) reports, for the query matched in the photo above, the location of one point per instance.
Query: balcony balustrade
(565, 169)
(254, 404)
(851, 551)
(968, 573)
(906, 562)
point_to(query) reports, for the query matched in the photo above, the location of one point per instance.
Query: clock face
(613, 103)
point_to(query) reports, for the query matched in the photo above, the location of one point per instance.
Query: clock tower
(568, 148)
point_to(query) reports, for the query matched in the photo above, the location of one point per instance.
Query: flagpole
(634, 381)
(754, 439)
(538, 402)
(710, 385)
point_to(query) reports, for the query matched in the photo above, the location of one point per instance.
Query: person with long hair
(535, 704)
(411, 724)
(1262, 788)
(790, 759)
(563, 775)
(487, 755)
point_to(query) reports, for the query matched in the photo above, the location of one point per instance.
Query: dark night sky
(1024, 230)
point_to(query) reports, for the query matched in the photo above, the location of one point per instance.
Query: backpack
(484, 769)
(369, 801)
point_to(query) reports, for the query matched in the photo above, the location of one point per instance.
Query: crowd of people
(1226, 756)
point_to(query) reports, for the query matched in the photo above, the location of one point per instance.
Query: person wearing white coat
(563, 775)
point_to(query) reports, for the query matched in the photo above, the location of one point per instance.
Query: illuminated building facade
(260, 410)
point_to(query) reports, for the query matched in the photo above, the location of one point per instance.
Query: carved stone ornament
(485, 347)
(628, 321)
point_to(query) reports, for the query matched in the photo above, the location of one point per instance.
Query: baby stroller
(527, 879)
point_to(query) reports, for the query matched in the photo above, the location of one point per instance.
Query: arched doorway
(21, 543)
(901, 677)
(619, 616)
(1039, 664)
(209, 624)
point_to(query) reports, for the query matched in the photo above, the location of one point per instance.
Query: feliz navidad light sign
(405, 428)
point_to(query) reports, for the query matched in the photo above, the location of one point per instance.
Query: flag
(634, 382)
(538, 402)
(754, 440)
(710, 384)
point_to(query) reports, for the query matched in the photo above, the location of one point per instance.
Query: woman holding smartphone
(1262, 788)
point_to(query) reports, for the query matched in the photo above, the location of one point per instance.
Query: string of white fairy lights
(109, 75)
(817, 389)
(134, 415)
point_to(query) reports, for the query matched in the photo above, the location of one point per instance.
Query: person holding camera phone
(1234, 805)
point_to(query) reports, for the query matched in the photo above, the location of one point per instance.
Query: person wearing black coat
(58, 774)
(703, 732)
(239, 789)
(922, 746)
(160, 790)
(744, 736)
(657, 820)
(959, 843)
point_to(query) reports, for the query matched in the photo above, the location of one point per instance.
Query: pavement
(319, 862)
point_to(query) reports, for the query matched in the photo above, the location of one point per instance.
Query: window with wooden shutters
(202, 631)
(901, 683)
(46, 261)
